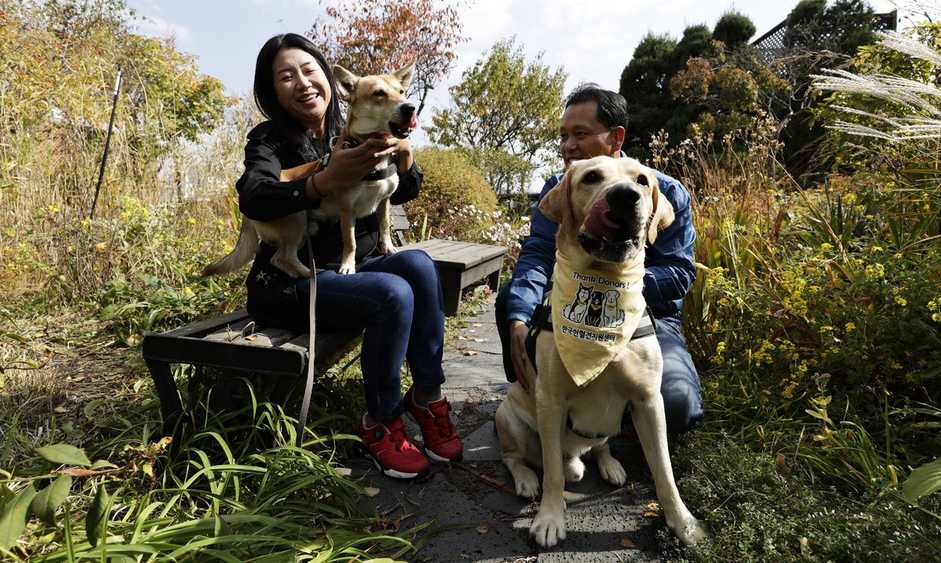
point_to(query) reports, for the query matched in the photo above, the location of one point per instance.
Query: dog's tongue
(598, 223)
(413, 122)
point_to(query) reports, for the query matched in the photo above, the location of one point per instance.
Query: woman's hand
(403, 148)
(349, 166)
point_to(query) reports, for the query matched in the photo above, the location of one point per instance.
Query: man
(594, 124)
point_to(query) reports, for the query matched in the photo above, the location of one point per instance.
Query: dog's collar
(586, 435)
(386, 172)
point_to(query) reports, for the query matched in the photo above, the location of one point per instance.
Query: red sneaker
(441, 440)
(391, 451)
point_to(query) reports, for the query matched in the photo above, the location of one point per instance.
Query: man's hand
(518, 332)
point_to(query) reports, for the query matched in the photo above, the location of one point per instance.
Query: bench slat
(454, 253)
(269, 337)
(199, 328)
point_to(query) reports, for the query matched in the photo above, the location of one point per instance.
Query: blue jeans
(682, 396)
(397, 298)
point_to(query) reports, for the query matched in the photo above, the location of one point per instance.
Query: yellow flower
(191, 221)
(788, 391)
(101, 247)
(187, 292)
(875, 271)
(826, 247)
(936, 317)
(901, 301)
(876, 249)
(850, 326)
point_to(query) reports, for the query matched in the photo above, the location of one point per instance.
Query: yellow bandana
(595, 311)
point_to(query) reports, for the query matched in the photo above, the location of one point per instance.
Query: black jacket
(263, 196)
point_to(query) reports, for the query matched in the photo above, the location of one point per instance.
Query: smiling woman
(396, 297)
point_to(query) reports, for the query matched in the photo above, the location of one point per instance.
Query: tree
(719, 82)
(818, 36)
(644, 84)
(504, 113)
(733, 29)
(383, 35)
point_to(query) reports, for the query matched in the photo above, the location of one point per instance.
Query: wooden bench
(233, 342)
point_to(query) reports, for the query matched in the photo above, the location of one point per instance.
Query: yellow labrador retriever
(607, 210)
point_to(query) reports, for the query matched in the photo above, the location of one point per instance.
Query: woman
(397, 298)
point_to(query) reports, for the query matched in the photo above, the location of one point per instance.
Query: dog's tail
(244, 250)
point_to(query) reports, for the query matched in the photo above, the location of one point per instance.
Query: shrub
(815, 312)
(452, 192)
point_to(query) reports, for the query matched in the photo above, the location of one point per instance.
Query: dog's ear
(346, 82)
(553, 203)
(404, 75)
(662, 216)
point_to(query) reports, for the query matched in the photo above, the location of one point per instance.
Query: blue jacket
(669, 261)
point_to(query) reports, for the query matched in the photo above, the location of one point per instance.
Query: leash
(311, 344)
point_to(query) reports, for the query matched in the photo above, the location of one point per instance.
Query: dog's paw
(386, 247)
(574, 469)
(548, 527)
(612, 471)
(526, 481)
(346, 269)
(690, 532)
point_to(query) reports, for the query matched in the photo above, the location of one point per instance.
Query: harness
(542, 320)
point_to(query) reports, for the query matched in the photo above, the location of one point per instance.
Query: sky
(591, 40)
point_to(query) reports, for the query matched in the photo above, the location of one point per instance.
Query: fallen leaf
(476, 325)
(370, 491)
(651, 515)
(628, 543)
(469, 352)
(344, 471)
(482, 529)
(60, 409)
(653, 505)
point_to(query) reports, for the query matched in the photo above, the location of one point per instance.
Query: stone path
(471, 509)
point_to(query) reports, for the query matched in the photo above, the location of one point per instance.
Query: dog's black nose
(622, 199)
(407, 109)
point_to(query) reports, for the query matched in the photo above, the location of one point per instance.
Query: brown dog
(377, 106)
(607, 209)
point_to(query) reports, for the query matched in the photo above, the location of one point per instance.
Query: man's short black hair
(612, 107)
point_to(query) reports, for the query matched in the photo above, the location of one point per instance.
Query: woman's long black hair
(267, 100)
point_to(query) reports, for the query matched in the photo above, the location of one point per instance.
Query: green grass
(763, 507)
